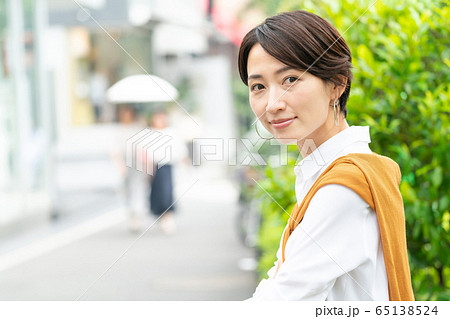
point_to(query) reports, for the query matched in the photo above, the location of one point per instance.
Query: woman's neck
(311, 143)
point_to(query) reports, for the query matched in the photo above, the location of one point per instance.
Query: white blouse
(335, 253)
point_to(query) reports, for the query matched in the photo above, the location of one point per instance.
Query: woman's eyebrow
(258, 76)
(286, 68)
(254, 76)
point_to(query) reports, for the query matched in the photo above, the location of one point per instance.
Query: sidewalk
(199, 262)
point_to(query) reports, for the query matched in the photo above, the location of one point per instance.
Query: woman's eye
(290, 80)
(257, 87)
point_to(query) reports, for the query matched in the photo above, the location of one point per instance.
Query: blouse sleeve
(328, 243)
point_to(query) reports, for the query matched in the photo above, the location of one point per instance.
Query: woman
(164, 158)
(345, 239)
(134, 182)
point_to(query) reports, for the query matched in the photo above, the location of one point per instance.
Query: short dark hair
(298, 39)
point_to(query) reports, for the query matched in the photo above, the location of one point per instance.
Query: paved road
(199, 262)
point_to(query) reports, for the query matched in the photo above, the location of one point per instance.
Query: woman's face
(159, 121)
(290, 114)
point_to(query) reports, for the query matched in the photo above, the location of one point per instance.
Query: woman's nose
(276, 101)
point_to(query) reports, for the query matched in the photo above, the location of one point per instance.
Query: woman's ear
(338, 89)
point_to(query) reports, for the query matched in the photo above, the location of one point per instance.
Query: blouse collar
(329, 149)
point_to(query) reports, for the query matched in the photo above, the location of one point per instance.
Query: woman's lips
(282, 123)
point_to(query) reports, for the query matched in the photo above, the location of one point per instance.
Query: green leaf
(407, 191)
(436, 176)
(446, 221)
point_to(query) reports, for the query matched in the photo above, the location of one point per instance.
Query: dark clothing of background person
(161, 194)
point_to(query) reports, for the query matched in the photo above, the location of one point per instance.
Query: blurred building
(57, 56)
(25, 109)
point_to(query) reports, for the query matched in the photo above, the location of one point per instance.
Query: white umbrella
(141, 88)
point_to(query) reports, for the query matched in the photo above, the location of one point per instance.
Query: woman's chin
(286, 140)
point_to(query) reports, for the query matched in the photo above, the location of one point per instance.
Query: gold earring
(256, 128)
(336, 117)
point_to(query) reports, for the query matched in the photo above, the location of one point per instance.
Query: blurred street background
(64, 212)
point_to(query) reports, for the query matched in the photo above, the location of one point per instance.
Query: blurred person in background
(162, 182)
(135, 183)
(98, 84)
(345, 238)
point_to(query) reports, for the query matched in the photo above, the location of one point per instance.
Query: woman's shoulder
(362, 173)
(370, 164)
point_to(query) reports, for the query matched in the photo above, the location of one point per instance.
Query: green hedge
(401, 57)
